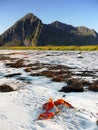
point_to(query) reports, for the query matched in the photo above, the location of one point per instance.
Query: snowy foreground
(20, 108)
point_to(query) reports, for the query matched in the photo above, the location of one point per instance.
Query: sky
(73, 12)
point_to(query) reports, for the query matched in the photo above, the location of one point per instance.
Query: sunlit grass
(62, 48)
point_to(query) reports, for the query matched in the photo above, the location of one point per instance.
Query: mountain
(30, 31)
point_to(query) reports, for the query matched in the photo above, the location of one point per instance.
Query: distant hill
(30, 31)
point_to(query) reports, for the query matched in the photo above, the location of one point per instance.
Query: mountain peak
(56, 23)
(62, 26)
(29, 16)
(30, 31)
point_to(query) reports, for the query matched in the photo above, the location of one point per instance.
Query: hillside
(30, 31)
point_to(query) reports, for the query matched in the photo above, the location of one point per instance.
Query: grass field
(62, 48)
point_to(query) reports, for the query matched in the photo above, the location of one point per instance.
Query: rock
(73, 85)
(6, 88)
(94, 86)
(12, 75)
(97, 122)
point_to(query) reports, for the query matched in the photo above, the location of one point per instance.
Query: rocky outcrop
(24, 32)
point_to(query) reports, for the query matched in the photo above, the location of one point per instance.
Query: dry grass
(63, 48)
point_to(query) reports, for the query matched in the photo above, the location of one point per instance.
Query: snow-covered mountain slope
(19, 109)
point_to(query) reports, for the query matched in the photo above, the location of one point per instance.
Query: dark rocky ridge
(30, 31)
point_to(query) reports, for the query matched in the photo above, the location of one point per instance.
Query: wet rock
(85, 83)
(18, 64)
(94, 86)
(57, 67)
(29, 69)
(80, 56)
(80, 52)
(72, 89)
(57, 79)
(4, 57)
(85, 73)
(61, 76)
(97, 122)
(24, 79)
(12, 75)
(6, 88)
(73, 85)
(57, 76)
(57, 73)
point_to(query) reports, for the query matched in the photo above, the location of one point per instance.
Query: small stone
(6, 88)
(97, 122)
